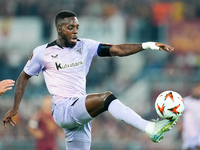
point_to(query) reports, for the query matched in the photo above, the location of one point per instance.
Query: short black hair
(64, 14)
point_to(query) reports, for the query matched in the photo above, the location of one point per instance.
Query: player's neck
(62, 43)
(59, 43)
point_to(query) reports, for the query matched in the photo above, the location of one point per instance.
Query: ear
(58, 29)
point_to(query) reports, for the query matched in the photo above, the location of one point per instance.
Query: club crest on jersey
(79, 50)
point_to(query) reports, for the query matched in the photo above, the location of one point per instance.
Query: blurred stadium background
(135, 80)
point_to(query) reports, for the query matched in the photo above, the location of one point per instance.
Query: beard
(70, 44)
(67, 41)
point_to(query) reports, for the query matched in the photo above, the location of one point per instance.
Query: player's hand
(6, 85)
(165, 47)
(8, 118)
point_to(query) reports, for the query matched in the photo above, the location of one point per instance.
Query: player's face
(68, 31)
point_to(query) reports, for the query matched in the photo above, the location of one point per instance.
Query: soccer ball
(169, 105)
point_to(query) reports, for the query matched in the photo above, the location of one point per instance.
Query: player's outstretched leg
(107, 101)
(155, 130)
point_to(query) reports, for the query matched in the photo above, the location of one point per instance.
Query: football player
(65, 63)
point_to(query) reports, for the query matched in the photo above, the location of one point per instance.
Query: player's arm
(19, 92)
(129, 49)
(6, 85)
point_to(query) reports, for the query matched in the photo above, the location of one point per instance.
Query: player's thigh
(95, 103)
(80, 133)
(78, 110)
(61, 114)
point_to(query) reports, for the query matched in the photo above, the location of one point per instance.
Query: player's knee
(109, 98)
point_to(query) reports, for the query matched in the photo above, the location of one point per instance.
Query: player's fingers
(7, 116)
(4, 123)
(12, 121)
(12, 81)
(8, 81)
(9, 85)
(8, 88)
(168, 49)
(165, 47)
(9, 120)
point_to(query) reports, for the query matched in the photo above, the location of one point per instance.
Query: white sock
(124, 113)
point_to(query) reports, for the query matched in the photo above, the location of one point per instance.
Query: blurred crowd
(152, 20)
(154, 12)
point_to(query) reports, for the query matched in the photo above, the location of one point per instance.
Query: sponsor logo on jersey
(64, 66)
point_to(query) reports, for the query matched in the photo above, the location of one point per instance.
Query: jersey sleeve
(92, 46)
(35, 63)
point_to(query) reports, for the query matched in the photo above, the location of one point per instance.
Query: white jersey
(64, 69)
